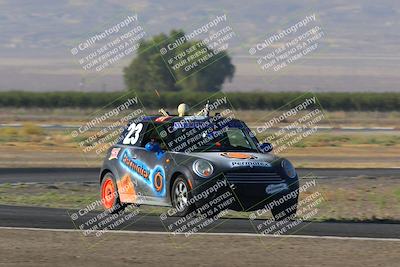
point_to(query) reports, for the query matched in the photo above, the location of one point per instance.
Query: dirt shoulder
(25, 247)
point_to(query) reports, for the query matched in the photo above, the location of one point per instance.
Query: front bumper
(251, 190)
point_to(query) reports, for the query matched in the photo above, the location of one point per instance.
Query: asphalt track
(50, 218)
(91, 175)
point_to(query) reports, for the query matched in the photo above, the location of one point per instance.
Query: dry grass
(59, 151)
(33, 146)
(359, 199)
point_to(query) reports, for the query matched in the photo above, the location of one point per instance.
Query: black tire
(287, 210)
(112, 204)
(178, 196)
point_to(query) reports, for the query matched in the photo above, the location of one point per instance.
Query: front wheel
(180, 197)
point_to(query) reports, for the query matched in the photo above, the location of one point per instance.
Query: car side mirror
(266, 147)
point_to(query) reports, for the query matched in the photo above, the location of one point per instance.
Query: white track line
(212, 234)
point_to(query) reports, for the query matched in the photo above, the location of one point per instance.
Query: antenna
(163, 112)
(205, 111)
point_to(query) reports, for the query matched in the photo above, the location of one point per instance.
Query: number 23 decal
(133, 135)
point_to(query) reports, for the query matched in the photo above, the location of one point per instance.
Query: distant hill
(360, 50)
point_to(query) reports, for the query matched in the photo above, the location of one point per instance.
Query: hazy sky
(357, 48)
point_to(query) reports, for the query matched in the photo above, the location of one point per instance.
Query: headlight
(203, 168)
(288, 168)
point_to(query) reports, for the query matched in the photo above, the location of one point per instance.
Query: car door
(130, 168)
(149, 166)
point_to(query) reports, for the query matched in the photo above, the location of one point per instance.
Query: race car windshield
(226, 139)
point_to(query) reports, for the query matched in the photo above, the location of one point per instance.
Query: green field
(248, 101)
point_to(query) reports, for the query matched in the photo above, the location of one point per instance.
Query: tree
(149, 70)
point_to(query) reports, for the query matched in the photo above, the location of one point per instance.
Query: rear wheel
(180, 197)
(109, 194)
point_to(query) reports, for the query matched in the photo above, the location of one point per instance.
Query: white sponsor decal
(114, 153)
(250, 164)
(275, 188)
(133, 135)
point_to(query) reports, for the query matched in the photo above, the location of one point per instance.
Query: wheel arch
(103, 173)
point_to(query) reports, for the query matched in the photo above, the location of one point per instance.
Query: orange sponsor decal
(134, 166)
(126, 189)
(235, 155)
(158, 181)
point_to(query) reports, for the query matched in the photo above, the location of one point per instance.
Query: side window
(152, 133)
(132, 134)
